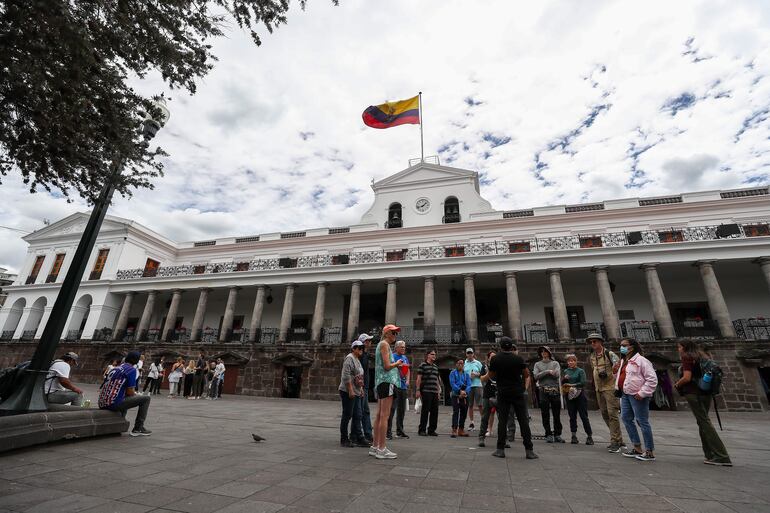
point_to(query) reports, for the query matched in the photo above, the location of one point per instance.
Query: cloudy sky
(553, 102)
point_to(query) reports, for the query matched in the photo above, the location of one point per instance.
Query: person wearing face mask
(573, 382)
(635, 385)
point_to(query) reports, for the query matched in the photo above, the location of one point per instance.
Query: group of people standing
(624, 386)
(196, 378)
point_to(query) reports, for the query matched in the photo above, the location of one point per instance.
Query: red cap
(391, 327)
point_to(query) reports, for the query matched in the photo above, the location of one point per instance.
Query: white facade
(706, 274)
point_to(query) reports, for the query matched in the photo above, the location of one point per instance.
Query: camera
(603, 374)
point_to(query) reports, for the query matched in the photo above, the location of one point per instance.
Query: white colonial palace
(430, 255)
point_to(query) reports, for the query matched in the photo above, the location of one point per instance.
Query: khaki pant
(609, 406)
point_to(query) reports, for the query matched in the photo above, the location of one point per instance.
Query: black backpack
(10, 378)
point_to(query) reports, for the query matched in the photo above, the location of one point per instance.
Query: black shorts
(384, 390)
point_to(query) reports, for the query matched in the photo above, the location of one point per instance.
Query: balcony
(593, 242)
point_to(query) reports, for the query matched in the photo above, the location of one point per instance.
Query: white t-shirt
(219, 370)
(153, 371)
(58, 369)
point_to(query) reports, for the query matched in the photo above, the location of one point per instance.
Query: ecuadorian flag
(404, 112)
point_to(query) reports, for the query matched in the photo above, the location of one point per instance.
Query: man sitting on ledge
(119, 393)
(58, 387)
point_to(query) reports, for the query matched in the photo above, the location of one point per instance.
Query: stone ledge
(61, 423)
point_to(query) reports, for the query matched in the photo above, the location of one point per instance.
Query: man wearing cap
(58, 387)
(547, 372)
(605, 365)
(351, 389)
(474, 369)
(118, 393)
(362, 403)
(510, 372)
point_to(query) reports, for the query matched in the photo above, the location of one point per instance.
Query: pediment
(74, 224)
(232, 358)
(293, 360)
(421, 173)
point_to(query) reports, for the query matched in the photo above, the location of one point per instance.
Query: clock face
(422, 205)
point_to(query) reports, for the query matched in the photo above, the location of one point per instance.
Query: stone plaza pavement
(201, 459)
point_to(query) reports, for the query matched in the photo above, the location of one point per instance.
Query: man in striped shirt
(428, 387)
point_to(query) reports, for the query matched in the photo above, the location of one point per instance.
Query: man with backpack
(119, 393)
(699, 382)
(58, 387)
(605, 365)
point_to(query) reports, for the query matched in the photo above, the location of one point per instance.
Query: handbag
(418, 405)
(574, 393)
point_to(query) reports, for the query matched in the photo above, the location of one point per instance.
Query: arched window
(394, 216)
(451, 210)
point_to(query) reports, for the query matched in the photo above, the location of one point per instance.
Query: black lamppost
(29, 396)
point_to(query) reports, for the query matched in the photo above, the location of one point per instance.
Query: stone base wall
(261, 370)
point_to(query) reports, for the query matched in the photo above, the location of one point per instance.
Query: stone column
(390, 303)
(471, 321)
(560, 318)
(256, 314)
(764, 264)
(144, 321)
(715, 299)
(288, 306)
(120, 326)
(514, 308)
(200, 314)
(429, 309)
(168, 328)
(318, 313)
(658, 299)
(354, 309)
(227, 320)
(607, 301)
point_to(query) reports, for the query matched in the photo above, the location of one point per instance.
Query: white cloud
(614, 99)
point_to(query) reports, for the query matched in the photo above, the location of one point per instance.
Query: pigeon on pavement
(256, 438)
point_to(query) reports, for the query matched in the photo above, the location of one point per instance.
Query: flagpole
(422, 144)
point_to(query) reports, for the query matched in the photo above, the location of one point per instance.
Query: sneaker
(482, 443)
(432, 433)
(614, 448)
(384, 454)
(589, 441)
(631, 453)
(140, 431)
(389, 436)
(422, 433)
(389, 452)
(549, 439)
(471, 427)
(489, 433)
(559, 440)
(372, 451)
(647, 456)
(499, 453)
(507, 445)
(718, 463)
(402, 435)
(574, 439)
(531, 454)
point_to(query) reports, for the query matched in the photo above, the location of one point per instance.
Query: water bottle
(707, 377)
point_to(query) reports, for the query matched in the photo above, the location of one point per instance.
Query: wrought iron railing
(509, 247)
(752, 329)
(697, 328)
(7, 335)
(103, 335)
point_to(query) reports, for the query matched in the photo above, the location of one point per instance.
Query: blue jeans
(350, 411)
(365, 423)
(631, 409)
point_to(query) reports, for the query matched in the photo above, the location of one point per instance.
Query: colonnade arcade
(462, 324)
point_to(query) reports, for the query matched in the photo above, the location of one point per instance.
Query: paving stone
(201, 459)
(201, 503)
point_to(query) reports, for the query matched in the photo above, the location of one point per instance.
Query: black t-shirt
(200, 366)
(509, 372)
